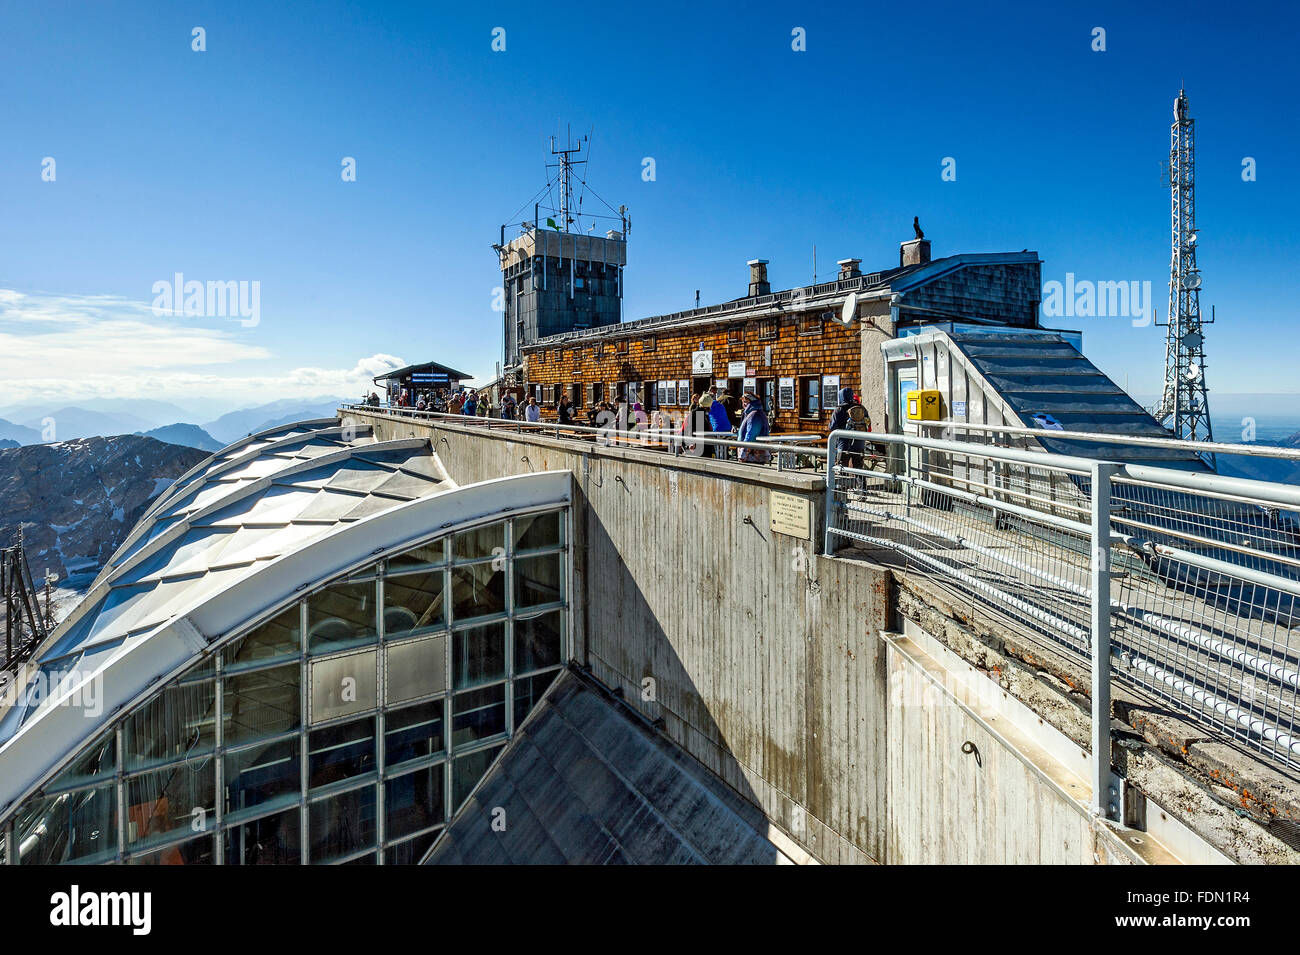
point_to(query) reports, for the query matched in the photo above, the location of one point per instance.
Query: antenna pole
(567, 162)
(1184, 405)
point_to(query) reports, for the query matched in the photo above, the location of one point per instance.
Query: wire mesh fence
(1203, 572)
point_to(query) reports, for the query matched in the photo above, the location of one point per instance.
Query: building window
(810, 324)
(649, 344)
(736, 335)
(620, 347)
(810, 398)
(767, 330)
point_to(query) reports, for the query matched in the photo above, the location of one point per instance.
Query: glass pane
(538, 530)
(413, 732)
(342, 824)
(343, 685)
(261, 704)
(277, 639)
(537, 580)
(538, 642)
(195, 852)
(482, 542)
(178, 798)
(178, 722)
(528, 691)
(341, 616)
(414, 802)
(80, 827)
(411, 851)
(341, 752)
(477, 590)
(96, 761)
(426, 555)
(274, 840)
(478, 655)
(263, 775)
(478, 714)
(416, 668)
(413, 602)
(468, 770)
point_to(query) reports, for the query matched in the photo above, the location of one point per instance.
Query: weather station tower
(1184, 406)
(557, 275)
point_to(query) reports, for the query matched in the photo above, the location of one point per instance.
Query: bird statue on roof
(916, 227)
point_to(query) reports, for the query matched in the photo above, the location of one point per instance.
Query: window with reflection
(70, 827)
(478, 714)
(413, 603)
(414, 802)
(477, 590)
(413, 732)
(342, 824)
(419, 558)
(262, 703)
(535, 531)
(342, 616)
(539, 642)
(341, 752)
(276, 640)
(537, 580)
(178, 722)
(478, 655)
(271, 840)
(467, 770)
(171, 800)
(480, 543)
(262, 775)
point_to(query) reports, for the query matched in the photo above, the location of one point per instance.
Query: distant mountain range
(36, 424)
(76, 500)
(187, 435)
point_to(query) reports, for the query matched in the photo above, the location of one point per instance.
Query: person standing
(564, 410)
(532, 411)
(850, 415)
(753, 425)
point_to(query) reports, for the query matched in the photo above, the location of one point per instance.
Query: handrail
(1142, 441)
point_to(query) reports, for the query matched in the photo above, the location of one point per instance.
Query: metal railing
(1185, 584)
(643, 436)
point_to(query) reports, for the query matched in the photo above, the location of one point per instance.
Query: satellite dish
(1192, 340)
(1193, 371)
(1191, 239)
(1193, 280)
(850, 310)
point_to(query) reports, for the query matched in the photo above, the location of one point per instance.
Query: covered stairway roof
(584, 782)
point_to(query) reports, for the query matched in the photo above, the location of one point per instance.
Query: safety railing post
(832, 441)
(1105, 789)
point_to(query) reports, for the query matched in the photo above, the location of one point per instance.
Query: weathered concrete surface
(767, 666)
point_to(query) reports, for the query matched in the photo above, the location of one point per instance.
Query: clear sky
(225, 165)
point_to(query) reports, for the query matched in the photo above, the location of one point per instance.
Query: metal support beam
(1106, 788)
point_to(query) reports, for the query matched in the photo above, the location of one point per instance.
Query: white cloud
(102, 346)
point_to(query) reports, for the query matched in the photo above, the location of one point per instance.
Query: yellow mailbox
(924, 406)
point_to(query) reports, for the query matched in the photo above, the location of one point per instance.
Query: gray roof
(1043, 374)
(585, 782)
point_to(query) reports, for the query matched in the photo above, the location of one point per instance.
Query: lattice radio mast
(1184, 405)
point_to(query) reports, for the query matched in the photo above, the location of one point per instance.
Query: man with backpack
(851, 416)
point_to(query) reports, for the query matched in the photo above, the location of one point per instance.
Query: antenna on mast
(566, 164)
(1184, 405)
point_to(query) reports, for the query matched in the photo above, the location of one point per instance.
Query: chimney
(914, 252)
(758, 284)
(849, 268)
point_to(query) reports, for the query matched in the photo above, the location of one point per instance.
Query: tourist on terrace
(564, 410)
(471, 405)
(753, 425)
(532, 410)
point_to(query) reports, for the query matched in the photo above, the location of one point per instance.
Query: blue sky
(225, 165)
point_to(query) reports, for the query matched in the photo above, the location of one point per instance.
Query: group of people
(710, 412)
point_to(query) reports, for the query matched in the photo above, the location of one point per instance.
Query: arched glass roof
(246, 530)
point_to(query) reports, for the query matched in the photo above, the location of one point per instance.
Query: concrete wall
(767, 660)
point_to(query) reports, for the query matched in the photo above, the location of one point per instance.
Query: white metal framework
(1184, 404)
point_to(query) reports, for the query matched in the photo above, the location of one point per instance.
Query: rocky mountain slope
(77, 500)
